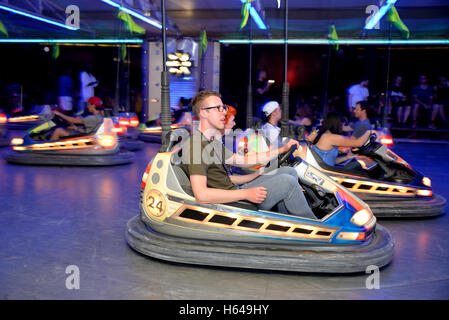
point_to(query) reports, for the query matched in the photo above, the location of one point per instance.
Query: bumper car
(25, 120)
(4, 137)
(153, 133)
(386, 182)
(126, 127)
(173, 226)
(99, 148)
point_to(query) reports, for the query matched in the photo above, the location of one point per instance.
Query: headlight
(426, 181)
(362, 217)
(16, 141)
(106, 141)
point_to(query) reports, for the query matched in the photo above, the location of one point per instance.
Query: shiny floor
(55, 217)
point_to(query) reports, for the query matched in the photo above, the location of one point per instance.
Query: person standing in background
(87, 87)
(422, 97)
(399, 101)
(261, 87)
(355, 93)
(441, 101)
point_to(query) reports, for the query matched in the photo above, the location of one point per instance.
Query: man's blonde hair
(197, 101)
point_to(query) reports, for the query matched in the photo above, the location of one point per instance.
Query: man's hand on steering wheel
(286, 147)
(371, 139)
(291, 146)
(59, 120)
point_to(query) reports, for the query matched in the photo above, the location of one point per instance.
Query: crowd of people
(424, 104)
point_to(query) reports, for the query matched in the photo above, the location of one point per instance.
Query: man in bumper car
(86, 124)
(204, 158)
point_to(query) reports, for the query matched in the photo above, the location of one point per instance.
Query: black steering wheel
(287, 155)
(60, 122)
(367, 145)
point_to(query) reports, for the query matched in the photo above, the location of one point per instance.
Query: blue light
(32, 16)
(340, 41)
(76, 41)
(379, 15)
(153, 22)
(257, 19)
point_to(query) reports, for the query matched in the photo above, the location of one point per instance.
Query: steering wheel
(367, 145)
(287, 155)
(60, 122)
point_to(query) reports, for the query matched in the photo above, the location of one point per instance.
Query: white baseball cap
(269, 107)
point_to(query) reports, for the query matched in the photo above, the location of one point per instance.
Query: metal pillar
(249, 98)
(165, 85)
(387, 89)
(285, 87)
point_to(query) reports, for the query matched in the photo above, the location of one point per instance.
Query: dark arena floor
(55, 217)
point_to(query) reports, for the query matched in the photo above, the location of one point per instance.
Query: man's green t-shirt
(92, 122)
(201, 156)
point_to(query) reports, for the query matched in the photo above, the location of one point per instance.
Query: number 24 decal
(152, 201)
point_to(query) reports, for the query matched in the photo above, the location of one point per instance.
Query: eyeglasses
(220, 108)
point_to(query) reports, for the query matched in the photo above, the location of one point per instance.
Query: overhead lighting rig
(179, 63)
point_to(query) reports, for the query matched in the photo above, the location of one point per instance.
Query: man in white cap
(272, 115)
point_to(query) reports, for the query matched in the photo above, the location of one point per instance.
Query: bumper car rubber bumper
(154, 138)
(424, 207)
(4, 141)
(122, 157)
(131, 145)
(283, 257)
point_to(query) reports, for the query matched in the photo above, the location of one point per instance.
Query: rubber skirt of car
(415, 208)
(4, 141)
(131, 144)
(323, 258)
(155, 138)
(122, 157)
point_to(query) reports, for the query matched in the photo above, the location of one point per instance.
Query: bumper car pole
(249, 101)
(165, 86)
(285, 87)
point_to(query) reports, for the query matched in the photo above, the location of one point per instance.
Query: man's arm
(241, 179)
(93, 83)
(264, 89)
(342, 141)
(204, 194)
(69, 119)
(250, 160)
(347, 128)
